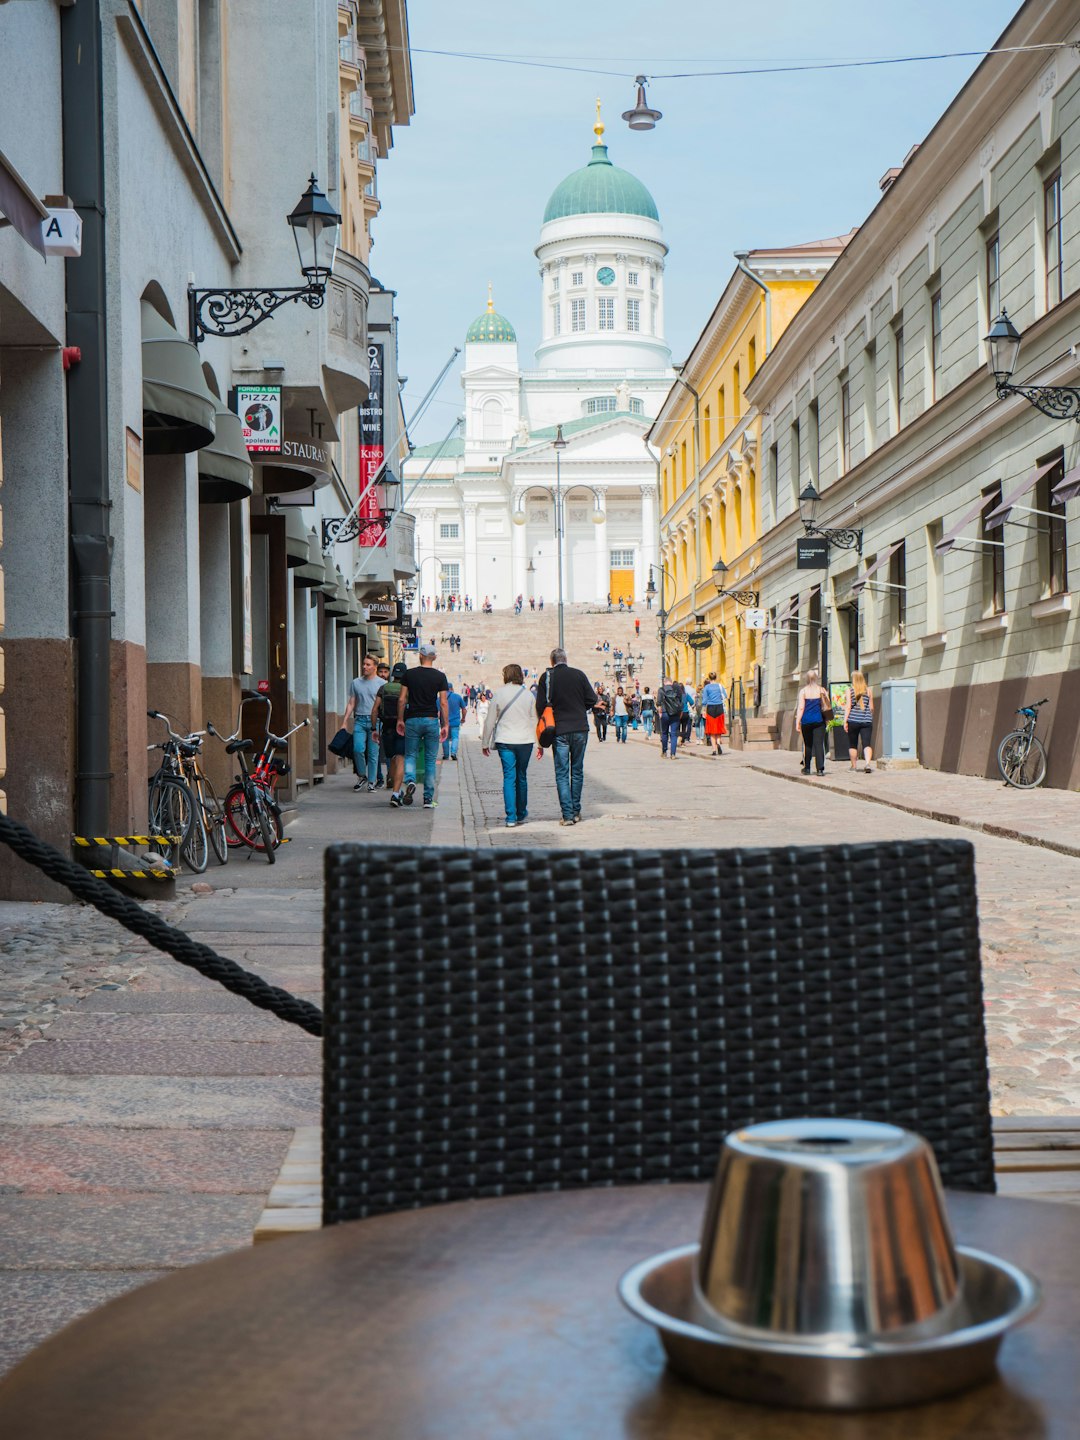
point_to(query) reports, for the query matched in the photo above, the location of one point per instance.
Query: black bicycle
(1021, 757)
(247, 808)
(174, 807)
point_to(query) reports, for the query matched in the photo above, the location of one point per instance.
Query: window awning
(1000, 513)
(178, 407)
(296, 539)
(303, 464)
(859, 585)
(225, 472)
(20, 207)
(375, 644)
(1069, 488)
(310, 575)
(948, 542)
(788, 611)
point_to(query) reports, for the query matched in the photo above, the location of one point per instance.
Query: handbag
(342, 745)
(826, 706)
(502, 717)
(545, 726)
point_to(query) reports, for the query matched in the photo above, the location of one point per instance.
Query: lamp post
(741, 597)
(661, 614)
(231, 312)
(1060, 402)
(843, 538)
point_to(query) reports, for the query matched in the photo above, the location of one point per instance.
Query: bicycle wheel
(214, 818)
(241, 825)
(267, 842)
(194, 849)
(171, 812)
(1022, 760)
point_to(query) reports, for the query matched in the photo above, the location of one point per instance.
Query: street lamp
(661, 614)
(1060, 402)
(843, 539)
(639, 116)
(231, 312)
(741, 597)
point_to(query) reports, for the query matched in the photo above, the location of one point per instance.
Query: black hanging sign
(812, 553)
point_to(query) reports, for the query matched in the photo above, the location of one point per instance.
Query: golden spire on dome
(491, 302)
(598, 128)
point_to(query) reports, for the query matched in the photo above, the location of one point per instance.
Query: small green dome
(491, 327)
(600, 188)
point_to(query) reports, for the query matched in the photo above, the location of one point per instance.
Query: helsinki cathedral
(486, 507)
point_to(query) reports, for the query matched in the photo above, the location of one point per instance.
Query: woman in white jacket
(511, 727)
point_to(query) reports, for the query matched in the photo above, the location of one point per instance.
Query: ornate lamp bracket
(234, 312)
(1059, 402)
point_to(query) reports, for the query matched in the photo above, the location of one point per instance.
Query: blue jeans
(422, 732)
(647, 721)
(365, 749)
(569, 753)
(515, 765)
(620, 727)
(669, 731)
(450, 744)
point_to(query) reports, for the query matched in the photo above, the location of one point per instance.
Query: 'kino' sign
(812, 553)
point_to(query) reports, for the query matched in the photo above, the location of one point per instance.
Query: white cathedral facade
(485, 502)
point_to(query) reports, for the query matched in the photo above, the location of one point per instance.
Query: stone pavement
(144, 1112)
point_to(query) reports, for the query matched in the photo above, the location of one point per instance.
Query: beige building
(879, 396)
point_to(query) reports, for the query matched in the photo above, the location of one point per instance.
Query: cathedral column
(518, 556)
(647, 555)
(469, 581)
(603, 558)
(425, 546)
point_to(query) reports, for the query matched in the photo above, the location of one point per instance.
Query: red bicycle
(252, 811)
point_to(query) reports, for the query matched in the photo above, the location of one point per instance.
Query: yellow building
(706, 438)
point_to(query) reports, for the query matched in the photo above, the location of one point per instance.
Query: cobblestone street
(145, 1112)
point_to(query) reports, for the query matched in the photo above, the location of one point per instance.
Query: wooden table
(490, 1319)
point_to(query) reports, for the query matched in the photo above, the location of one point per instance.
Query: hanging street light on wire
(640, 117)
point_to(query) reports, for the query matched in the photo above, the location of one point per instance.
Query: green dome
(600, 188)
(491, 327)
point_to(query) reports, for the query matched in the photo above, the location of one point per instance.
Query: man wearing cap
(423, 720)
(363, 692)
(571, 698)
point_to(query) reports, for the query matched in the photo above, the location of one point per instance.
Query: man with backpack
(571, 697)
(670, 700)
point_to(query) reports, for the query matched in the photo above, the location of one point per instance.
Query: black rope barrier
(151, 927)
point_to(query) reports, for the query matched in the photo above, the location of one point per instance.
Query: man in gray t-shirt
(362, 695)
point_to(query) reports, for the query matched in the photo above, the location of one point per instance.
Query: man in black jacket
(571, 699)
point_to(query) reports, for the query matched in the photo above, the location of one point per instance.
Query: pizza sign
(259, 408)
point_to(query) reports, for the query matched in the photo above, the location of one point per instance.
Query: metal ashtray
(827, 1276)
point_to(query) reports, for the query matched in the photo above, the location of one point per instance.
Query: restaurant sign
(384, 612)
(259, 408)
(372, 453)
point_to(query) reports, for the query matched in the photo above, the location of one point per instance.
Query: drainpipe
(740, 258)
(87, 410)
(697, 512)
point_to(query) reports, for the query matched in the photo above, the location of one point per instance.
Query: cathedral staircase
(527, 640)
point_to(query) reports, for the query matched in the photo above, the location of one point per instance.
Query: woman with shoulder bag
(811, 717)
(858, 720)
(511, 726)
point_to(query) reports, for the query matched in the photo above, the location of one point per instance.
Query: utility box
(896, 736)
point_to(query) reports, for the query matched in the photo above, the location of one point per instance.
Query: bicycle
(202, 789)
(269, 768)
(173, 807)
(1021, 757)
(251, 810)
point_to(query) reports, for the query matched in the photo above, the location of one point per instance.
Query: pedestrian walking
(634, 706)
(858, 720)
(363, 692)
(423, 720)
(811, 714)
(600, 712)
(532, 602)
(637, 627)
(455, 709)
(383, 672)
(714, 700)
(540, 603)
(621, 716)
(384, 719)
(648, 711)
(571, 697)
(511, 728)
(670, 700)
(686, 719)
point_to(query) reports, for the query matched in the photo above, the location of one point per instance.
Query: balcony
(359, 115)
(386, 564)
(345, 366)
(349, 76)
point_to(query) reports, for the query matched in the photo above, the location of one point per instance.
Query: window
(632, 277)
(736, 396)
(633, 314)
(898, 593)
(599, 404)
(935, 579)
(814, 443)
(845, 426)
(577, 277)
(652, 282)
(898, 373)
(577, 314)
(605, 312)
(721, 418)
(622, 559)
(793, 634)
(1053, 540)
(1052, 220)
(556, 319)
(555, 283)
(637, 407)
(491, 420)
(935, 345)
(774, 477)
(706, 426)
(449, 531)
(796, 463)
(869, 396)
(993, 279)
(450, 583)
(993, 558)
(751, 360)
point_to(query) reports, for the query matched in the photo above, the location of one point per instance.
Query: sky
(737, 162)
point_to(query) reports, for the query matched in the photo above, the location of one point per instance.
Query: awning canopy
(338, 603)
(1000, 513)
(20, 207)
(304, 464)
(947, 542)
(859, 585)
(310, 575)
(375, 644)
(296, 539)
(1069, 488)
(225, 472)
(328, 585)
(178, 407)
(788, 611)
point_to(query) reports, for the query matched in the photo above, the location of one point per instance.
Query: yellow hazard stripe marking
(126, 839)
(133, 874)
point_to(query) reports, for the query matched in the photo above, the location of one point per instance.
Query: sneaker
(360, 786)
(567, 822)
(395, 800)
(511, 824)
(410, 791)
(429, 804)
(454, 758)
(379, 784)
